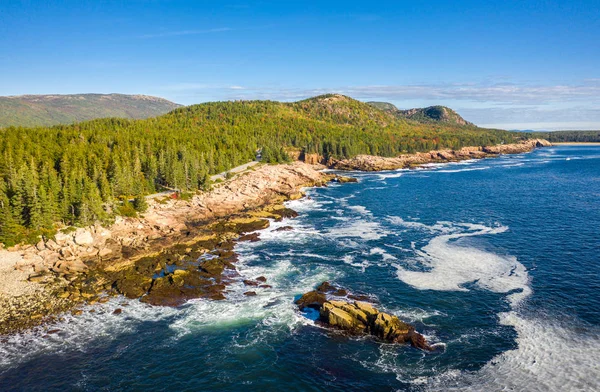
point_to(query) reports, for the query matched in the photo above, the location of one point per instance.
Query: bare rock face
(360, 317)
(312, 159)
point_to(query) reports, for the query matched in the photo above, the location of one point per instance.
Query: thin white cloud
(186, 32)
(504, 93)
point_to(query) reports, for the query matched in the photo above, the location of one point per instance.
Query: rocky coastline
(377, 163)
(183, 249)
(175, 251)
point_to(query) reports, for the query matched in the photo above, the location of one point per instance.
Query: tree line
(570, 136)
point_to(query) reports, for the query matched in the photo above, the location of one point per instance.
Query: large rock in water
(312, 299)
(359, 317)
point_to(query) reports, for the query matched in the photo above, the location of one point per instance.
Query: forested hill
(47, 110)
(426, 115)
(570, 136)
(81, 173)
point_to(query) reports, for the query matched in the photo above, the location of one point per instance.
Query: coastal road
(235, 170)
(220, 176)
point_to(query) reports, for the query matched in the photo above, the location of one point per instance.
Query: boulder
(367, 308)
(339, 318)
(76, 266)
(83, 237)
(252, 237)
(104, 252)
(40, 245)
(328, 288)
(312, 299)
(52, 245)
(62, 239)
(213, 267)
(343, 180)
(355, 312)
(390, 328)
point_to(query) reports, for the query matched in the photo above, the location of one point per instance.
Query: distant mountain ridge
(425, 115)
(53, 109)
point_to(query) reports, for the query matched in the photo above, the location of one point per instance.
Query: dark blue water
(496, 261)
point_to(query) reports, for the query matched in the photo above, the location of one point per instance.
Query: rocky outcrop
(377, 163)
(344, 180)
(359, 317)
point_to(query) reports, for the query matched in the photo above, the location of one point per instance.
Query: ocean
(495, 261)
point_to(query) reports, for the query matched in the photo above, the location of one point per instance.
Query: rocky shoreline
(377, 163)
(178, 249)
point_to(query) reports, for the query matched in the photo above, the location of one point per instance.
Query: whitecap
(360, 209)
(385, 256)
(391, 174)
(462, 170)
(359, 228)
(349, 259)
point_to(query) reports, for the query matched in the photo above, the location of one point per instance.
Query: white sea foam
(272, 307)
(449, 266)
(467, 162)
(392, 174)
(550, 357)
(358, 228)
(385, 256)
(350, 260)
(76, 333)
(307, 204)
(439, 227)
(432, 165)
(462, 170)
(360, 209)
(514, 165)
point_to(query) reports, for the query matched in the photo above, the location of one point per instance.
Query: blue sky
(509, 64)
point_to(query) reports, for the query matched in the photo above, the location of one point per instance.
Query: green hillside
(77, 174)
(47, 110)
